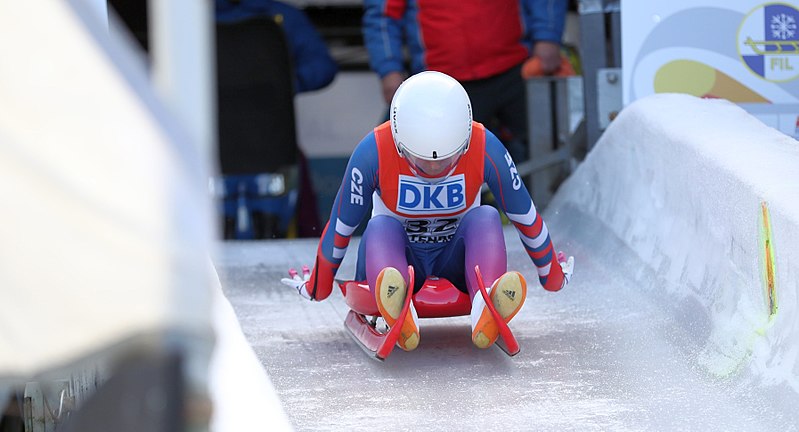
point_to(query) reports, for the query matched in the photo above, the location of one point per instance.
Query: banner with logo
(746, 51)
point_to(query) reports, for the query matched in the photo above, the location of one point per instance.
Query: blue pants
(477, 241)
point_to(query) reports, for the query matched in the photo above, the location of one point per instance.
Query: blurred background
(135, 135)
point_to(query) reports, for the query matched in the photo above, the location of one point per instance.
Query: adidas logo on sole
(513, 288)
(390, 295)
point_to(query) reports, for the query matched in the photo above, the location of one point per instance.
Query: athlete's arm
(513, 198)
(349, 208)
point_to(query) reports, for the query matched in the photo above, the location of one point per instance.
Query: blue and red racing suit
(430, 213)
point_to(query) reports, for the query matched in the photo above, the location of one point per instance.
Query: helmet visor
(435, 170)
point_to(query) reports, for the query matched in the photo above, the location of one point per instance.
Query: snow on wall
(682, 181)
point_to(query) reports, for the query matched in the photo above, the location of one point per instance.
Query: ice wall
(682, 181)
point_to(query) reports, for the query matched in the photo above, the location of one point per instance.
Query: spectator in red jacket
(483, 44)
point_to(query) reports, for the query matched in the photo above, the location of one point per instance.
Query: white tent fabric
(106, 221)
(105, 225)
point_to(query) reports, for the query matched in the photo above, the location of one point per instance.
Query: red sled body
(438, 298)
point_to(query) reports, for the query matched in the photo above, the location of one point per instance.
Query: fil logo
(418, 197)
(768, 42)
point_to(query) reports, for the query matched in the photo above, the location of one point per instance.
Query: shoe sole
(390, 292)
(508, 297)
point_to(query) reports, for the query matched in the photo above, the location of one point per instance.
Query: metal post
(613, 9)
(181, 35)
(552, 143)
(101, 9)
(593, 56)
(542, 136)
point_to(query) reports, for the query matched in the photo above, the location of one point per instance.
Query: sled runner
(437, 298)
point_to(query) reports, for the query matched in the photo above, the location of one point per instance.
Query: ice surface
(600, 355)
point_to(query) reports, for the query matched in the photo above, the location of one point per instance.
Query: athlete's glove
(297, 282)
(567, 265)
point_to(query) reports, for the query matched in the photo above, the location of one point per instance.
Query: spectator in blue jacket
(481, 44)
(314, 68)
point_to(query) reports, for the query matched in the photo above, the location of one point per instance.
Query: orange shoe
(507, 294)
(390, 294)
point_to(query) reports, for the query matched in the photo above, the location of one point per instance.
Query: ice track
(654, 333)
(596, 356)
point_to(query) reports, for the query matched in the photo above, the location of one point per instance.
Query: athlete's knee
(484, 220)
(383, 225)
(484, 214)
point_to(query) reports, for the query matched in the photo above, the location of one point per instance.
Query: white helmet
(431, 122)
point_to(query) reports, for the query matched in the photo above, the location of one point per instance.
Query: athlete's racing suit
(441, 229)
